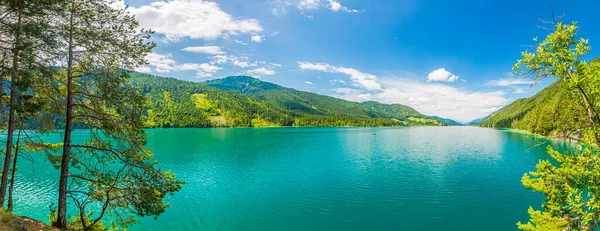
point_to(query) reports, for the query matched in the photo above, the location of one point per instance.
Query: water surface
(417, 178)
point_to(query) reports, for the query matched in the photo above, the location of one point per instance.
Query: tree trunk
(11, 114)
(12, 174)
(591, 113)
(2, 80)
(61, 218)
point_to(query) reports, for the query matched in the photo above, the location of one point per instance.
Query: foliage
(570, 184)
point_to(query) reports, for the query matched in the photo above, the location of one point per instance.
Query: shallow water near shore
(413, 178)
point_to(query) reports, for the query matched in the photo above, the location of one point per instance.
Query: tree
(23, 43)
(111, 169)
(570, 183)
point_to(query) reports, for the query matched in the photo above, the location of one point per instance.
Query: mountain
(448, 121)
(309, 103)
(314, 104)
(544, 113)
(248, 102)
(555, 108)
(477, 121)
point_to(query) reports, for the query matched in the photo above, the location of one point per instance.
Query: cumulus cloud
(239, 61)
(428, 98)
(195, 19)
(165, 64)
(309, 82)
(211, 50)
(442, 75)
(490, 110)
(351, 94)
(202, 69)
(143, 69)
(206, 70)
(510, 82)
(159, 63)
(260, 72)
(334, 81)
(335, 6)
(441, 100)
(257, 38)
(310, 5)
(241, 42)
(361, 79)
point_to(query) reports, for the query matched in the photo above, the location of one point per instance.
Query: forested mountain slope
(249, 102)
(546, 112)
(555, 108)
(311, 103)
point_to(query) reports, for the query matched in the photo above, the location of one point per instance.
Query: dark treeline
(63, 67)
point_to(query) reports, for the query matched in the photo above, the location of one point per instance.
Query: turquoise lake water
(416, 178)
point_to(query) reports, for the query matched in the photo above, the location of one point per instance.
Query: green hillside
(544, 113)
(249, 102)
(312, 104)
(448, 121)
(555, 108)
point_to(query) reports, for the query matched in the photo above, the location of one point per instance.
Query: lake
(412, 178)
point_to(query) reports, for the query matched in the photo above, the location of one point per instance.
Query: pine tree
(113, 169)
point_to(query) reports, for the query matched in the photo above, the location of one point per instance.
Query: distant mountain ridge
(315, 104)
(243, 101)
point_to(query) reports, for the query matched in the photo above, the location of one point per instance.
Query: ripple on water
(425, 178)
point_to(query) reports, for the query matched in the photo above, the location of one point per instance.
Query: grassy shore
(10, 222)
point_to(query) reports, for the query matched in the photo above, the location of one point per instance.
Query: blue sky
(444, 58)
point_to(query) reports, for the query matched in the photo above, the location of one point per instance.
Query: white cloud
(335, 6)
(143, 69)
(257, 38)
(241, 42)
(196, 19)
(352, 94)
(309, 82)
(239, 61)
(211, 50)
(510, 82)
(275, 64)
(118, 4)
(187, 67)
(441, 75)
(364, 80)
(202, 70)
(260, 72)
(165, 64)
(519, 91)
(428, 98)
(440, 100)
(310, 5)
(206, 70)
(160, 63)
(490, 110)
